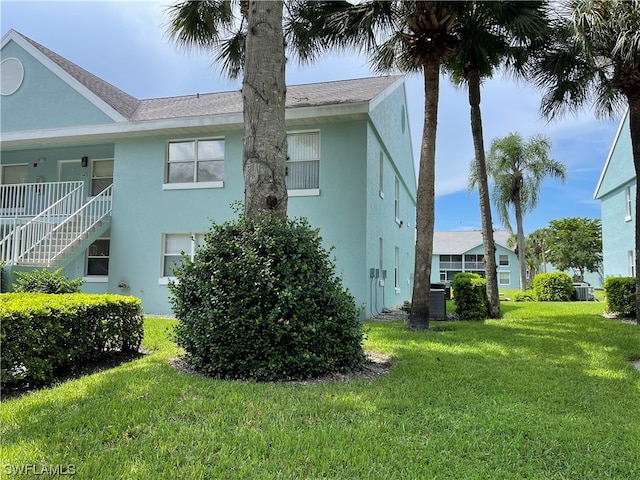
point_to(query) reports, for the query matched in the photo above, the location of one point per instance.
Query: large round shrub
(262, 301)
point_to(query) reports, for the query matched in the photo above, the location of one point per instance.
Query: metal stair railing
(72, 229)
(30, 235)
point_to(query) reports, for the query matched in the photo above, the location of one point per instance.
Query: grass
(545, 393)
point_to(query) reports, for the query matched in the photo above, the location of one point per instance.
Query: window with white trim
(102, 175)
(627, 202)
(503, 260)
(177, 244)
(195, 161)
(397, 199)
(396, 270)
(504, 278)
(303, 161)
(381, 174)
(98, 258)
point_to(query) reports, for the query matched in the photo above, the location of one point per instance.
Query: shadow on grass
(108, 361)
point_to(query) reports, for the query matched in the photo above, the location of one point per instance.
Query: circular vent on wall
(11, 75)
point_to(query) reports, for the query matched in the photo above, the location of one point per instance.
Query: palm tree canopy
(395, 34)
(493, 34)
(218, 26)
(593, 57)
(518, 169)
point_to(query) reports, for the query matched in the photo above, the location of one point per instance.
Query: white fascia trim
(119, 129)
(95, 279)
(385, 93)
(192, 185)
(68, 79)
(309, 192)
(298, 113)
(611, 150)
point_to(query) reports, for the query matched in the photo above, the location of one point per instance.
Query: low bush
(262, 301)
(621, 295)
(526, 296)
(553, 287)
(470, 296)
(46, 281)
(44, 333)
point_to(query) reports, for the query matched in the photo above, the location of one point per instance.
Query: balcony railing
(30, 199)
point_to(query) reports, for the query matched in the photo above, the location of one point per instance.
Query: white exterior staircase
(49, 237)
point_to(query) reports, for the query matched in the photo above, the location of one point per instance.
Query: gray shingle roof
(459, 242)
(309, 95)
(120, 101)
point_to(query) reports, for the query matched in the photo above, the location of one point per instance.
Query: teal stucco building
(616, 191)
(112, 188)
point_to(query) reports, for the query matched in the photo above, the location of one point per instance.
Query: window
(474, 262)
(504, 278)
(627, 201)
(195, 161)
(397, 199)
(175, 244)
(303, 162)
(396, 271)
(102, 176)
(381, 174)
(98, 258)
(503, 260)
(632, 263)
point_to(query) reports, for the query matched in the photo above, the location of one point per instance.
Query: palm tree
(247, 36)
(593, 58)
(537, 244)
(518, 169)
(410, 36)
(492, 34)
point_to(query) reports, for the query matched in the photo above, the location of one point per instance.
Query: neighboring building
(616, 191)
(463, 251)
(111, 188)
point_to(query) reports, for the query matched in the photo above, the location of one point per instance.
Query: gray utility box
(584, 292)
(437, 305)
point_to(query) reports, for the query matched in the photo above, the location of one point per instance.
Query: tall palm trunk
(263, 96)
(425, 201)
(493, 295)
(634, 127)
(522, 263)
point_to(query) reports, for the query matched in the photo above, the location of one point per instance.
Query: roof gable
(618, 168)
(85, 90)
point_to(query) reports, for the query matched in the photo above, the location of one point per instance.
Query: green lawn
(545, 393)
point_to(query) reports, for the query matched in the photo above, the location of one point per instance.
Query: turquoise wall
(143, 211)
(44, 100)
(618, 233)
(389, 136)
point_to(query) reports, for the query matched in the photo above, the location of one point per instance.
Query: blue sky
(125, 43)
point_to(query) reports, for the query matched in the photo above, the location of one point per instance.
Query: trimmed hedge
(526, 296)
(44, 333)
(45, 281)
(470, 296)
(553, 287)
(621, 295)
